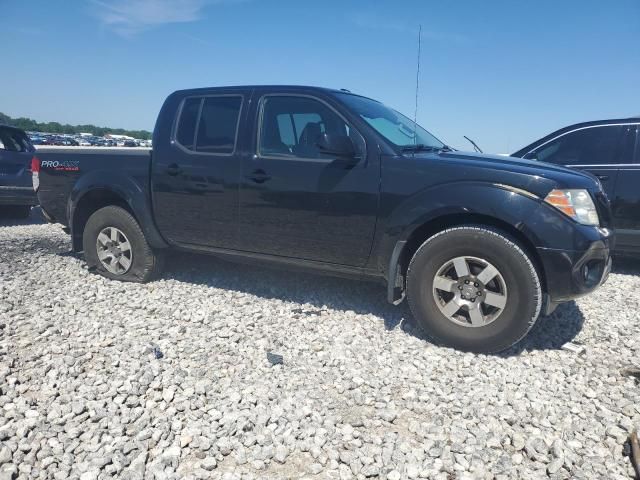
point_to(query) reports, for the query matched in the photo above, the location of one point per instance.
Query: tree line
(31, 125)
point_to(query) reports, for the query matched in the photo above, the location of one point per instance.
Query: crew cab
(335, 182)
(610, 150)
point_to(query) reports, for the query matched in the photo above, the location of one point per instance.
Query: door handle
(174, 169)
(603, 177)
(259, 176)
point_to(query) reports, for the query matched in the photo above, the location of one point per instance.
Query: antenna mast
(415, 113)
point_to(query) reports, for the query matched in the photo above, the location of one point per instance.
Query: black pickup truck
(334, 182)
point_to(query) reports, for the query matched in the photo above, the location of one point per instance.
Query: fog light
(592, 272)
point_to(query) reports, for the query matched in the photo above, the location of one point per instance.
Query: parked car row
(39, 138)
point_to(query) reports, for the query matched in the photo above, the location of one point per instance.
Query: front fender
(129, 189)
(540, 223)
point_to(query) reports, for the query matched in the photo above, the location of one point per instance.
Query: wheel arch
(86, 205)
(85, 201)
(405, 249)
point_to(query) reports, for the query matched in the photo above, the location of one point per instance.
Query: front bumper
(570, 274)
(10, 195)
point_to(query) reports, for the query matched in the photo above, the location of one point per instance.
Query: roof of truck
(271, 87)
(4, 125)
(292, 87)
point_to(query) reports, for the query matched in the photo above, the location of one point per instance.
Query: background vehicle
(610, 150)
(334, 182)
(16, 193)
(36, 140)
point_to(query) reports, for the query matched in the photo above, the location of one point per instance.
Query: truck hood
(531, 175)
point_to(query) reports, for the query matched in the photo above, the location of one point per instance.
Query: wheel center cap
(469, 290)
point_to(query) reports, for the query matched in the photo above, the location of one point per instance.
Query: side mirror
(338, 145)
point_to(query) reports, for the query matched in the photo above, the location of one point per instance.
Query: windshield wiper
(475, 145)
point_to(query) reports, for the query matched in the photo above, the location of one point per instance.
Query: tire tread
(153, 261)
(510, 242)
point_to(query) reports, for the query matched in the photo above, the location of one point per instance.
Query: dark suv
(16, 192)
(610, 150)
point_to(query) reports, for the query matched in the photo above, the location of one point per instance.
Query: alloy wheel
(470, 291)
(114, 250)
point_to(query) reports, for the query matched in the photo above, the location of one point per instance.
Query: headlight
(576, 204)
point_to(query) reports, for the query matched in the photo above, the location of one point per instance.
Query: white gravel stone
(5, 455)
(360, 394)
(209, 463)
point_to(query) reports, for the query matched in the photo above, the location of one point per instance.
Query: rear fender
(125, 188)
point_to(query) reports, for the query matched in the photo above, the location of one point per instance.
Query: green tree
(55, 127)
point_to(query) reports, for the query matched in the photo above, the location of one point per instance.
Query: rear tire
(115, 247)
(479, 312)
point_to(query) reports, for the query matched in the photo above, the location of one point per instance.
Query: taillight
(35, 165)
(35, 172)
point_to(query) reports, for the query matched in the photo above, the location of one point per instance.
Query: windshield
(392, 125)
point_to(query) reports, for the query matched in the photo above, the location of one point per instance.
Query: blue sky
(503, 72)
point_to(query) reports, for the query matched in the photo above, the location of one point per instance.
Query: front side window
(209, 124)
(392, 125)
(291, 126)
(588, 146)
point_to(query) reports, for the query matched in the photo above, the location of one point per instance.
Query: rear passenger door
(195, 177)
(602, 150)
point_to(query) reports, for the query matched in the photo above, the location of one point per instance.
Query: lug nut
(473, 299)
(475, 284)
(460, 287)
(467, 282)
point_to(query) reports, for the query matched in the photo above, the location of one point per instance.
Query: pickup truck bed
(63, 166)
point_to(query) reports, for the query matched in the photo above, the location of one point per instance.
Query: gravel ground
(171, 379)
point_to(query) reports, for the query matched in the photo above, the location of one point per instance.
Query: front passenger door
(298, 201)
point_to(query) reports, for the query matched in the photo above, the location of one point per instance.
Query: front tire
(474, 288)
(115, 247)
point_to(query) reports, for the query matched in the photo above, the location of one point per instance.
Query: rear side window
(589, 146)
(209, 124)
(14, 141)
(218, 125)
(187, 126)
